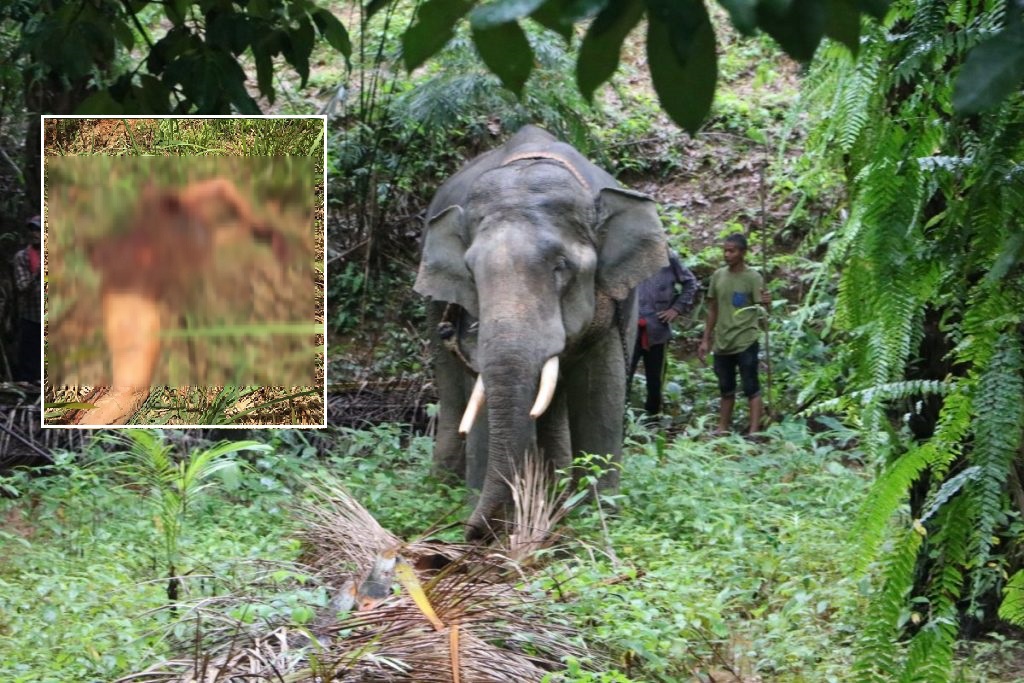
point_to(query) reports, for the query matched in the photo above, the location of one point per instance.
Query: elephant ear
(631, 241)
(443, 275)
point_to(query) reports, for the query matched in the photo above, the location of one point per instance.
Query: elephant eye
(561, 264)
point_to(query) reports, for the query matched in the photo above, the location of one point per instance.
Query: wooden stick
(764, 267)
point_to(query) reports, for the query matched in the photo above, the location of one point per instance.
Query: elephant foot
(483, 528)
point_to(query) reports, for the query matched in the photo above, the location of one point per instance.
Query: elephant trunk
(545, 392)
(511, 380)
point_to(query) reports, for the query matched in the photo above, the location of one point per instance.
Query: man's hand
(766, 298)
(668, 315)
(702, 351)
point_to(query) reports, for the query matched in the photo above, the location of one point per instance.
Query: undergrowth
(723, 556)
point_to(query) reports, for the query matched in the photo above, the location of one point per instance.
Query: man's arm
(709, 328)
(688, 287)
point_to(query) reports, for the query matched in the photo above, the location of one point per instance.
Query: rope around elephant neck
(552, 157)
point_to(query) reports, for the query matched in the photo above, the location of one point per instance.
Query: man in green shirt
(733, 317)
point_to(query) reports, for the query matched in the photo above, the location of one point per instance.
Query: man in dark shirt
(660, 304)
(28, 281)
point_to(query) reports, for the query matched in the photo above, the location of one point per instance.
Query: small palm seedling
(172, 485)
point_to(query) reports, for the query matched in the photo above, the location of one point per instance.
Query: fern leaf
(997, 433)
(1012, 607)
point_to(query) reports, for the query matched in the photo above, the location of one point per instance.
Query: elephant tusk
(476, 400)
(546, 390)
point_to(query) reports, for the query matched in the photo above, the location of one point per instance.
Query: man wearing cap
(660, 304)
(28, 281)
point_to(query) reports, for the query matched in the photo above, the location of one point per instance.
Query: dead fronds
(539, 509)
(402, 611)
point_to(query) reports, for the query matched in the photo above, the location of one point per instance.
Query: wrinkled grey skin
(541, 258)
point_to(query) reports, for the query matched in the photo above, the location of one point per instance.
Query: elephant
(530, 256)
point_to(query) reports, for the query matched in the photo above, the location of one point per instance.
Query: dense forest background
(876, 532)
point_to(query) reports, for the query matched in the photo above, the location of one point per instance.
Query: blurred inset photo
(183, 271)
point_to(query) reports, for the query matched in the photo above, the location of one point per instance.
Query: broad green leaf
(434, 27)
(502, 12)
(797, 26)
(585, 9)
(507, 53)
(681, 57)
(842, 23)
(229, 29)
(992, 71)
(100, 103)
(176, 42)
(297, 48)
(599, 52)
(743, 14)
(876, 8)
(264, 72)
(233, 79)
(302, 614)
(176, 11)
(333, 30)
(374, 6)
(124, 34)
(555, 15)
(153, 94)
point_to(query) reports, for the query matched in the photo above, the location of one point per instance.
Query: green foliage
(172, 486)
(927, 256)
(159, 58)
(78, 599)
(680, 39)
(1012, 609)
(83, 572)
(993, 71)
(722, 559)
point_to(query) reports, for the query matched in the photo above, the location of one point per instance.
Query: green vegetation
(878, 541)
(928, 307)
(690, 578)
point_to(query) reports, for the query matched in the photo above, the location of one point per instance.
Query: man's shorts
(725, 367)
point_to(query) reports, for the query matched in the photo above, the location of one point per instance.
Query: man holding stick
(732, 324)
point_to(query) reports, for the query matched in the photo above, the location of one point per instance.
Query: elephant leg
(553, 439)
(595, 388)
(450, 379)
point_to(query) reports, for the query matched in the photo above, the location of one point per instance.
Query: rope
(553, 157)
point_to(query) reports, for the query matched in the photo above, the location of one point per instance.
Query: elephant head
(533, 241)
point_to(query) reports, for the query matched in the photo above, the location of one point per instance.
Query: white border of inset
(42, 215)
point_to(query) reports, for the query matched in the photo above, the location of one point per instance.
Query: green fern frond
(930, 656)
(949, 488)
(889, 391)
(878, 646)
(886, 497)
(1012, 607)
(999, 404)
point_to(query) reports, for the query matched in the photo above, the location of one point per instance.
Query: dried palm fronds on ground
(401, 611)
(169, 406)
(22, 440)
(539, 508)
(402, 399)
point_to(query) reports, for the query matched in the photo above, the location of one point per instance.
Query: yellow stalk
(407, 577)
